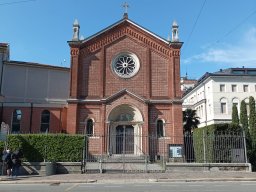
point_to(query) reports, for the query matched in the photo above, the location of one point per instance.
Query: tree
(252, 121)
(190, 120)
(235, 118)
(244, 117)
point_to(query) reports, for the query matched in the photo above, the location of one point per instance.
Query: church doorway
(124, 139)
(125, 130)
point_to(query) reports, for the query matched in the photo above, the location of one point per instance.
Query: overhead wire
(16, 2)
(235, 27)
(194, 25)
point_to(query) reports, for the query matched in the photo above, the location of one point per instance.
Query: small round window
(126, 65)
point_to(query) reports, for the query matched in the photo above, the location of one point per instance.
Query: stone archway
(124, 130)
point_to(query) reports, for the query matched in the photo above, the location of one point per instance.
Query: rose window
(125, 65)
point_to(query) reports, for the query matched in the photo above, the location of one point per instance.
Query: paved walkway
(134, 178)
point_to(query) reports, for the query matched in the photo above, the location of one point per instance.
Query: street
(137, 187)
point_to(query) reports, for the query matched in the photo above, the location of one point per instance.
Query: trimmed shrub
(208, 142)
(47, 147)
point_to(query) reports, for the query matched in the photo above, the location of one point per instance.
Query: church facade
(125, 88)
(122, 91)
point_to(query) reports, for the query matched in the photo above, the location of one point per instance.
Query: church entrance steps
(116, 167)
(125, 158)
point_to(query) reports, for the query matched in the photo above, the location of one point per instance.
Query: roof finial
(125, 6)
(175, 32)
(76, 28)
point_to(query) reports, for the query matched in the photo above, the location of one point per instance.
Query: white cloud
(237, 55)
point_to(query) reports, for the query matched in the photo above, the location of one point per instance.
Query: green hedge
(208, 135)
(200, 136)
(50, 147)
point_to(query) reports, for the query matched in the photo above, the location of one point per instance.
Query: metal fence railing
(130, 148)
(221, 147)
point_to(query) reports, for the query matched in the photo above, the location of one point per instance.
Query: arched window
(16, 119)
(45, 121)
(160, 128)
(236, 102)
(223, 106)
(89, 127)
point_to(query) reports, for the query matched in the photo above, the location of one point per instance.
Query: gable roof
(120, 22)
(123, 92)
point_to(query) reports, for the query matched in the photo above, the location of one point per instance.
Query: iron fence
(126, 150)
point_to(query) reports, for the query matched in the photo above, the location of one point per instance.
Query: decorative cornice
(176, 53)
(74, 51)
(105, 100)
(131, 31)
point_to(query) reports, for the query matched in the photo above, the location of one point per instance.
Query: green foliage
(190, 120)
(199, 138)
(244, 117)
(252, 121)
(235, 118)
(207, 146)
(48, 147)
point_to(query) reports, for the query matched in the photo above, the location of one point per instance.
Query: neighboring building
(124, 86)
(215, 93)
(34, 96)
(186, 84)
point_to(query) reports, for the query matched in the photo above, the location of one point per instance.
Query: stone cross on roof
(125, 6)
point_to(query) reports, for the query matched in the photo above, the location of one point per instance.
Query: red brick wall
(55, 118)
(136, 84)
(72, 118)
(90, 79)
(158, 78)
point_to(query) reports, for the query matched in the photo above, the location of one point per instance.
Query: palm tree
(190, 120)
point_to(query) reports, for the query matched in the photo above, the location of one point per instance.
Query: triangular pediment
(121, 93)
(126, 27)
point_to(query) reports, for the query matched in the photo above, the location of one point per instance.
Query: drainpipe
(31, 116)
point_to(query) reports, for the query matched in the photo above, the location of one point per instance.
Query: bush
(50, 147)
(212, 137)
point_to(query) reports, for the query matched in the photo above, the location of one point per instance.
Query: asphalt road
(138, 187)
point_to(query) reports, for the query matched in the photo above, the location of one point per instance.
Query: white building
(215, 94)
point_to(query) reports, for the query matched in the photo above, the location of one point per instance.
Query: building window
(16, 119)
(245, 88)
(234, 88)
(126, 65)
(223, 105)
(89, 127)
(45, 121)
(236, 102)
(222, 88)
(160, 128)
(223, 108)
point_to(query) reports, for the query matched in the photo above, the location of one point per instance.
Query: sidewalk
(134, 177)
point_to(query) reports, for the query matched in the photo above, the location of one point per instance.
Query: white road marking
(72, 187)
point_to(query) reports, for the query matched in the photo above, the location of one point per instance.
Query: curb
(165, 180)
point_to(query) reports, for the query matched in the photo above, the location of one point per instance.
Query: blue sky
(216, 33)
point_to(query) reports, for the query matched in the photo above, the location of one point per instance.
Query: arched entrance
(125, 128)
(124, 139)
